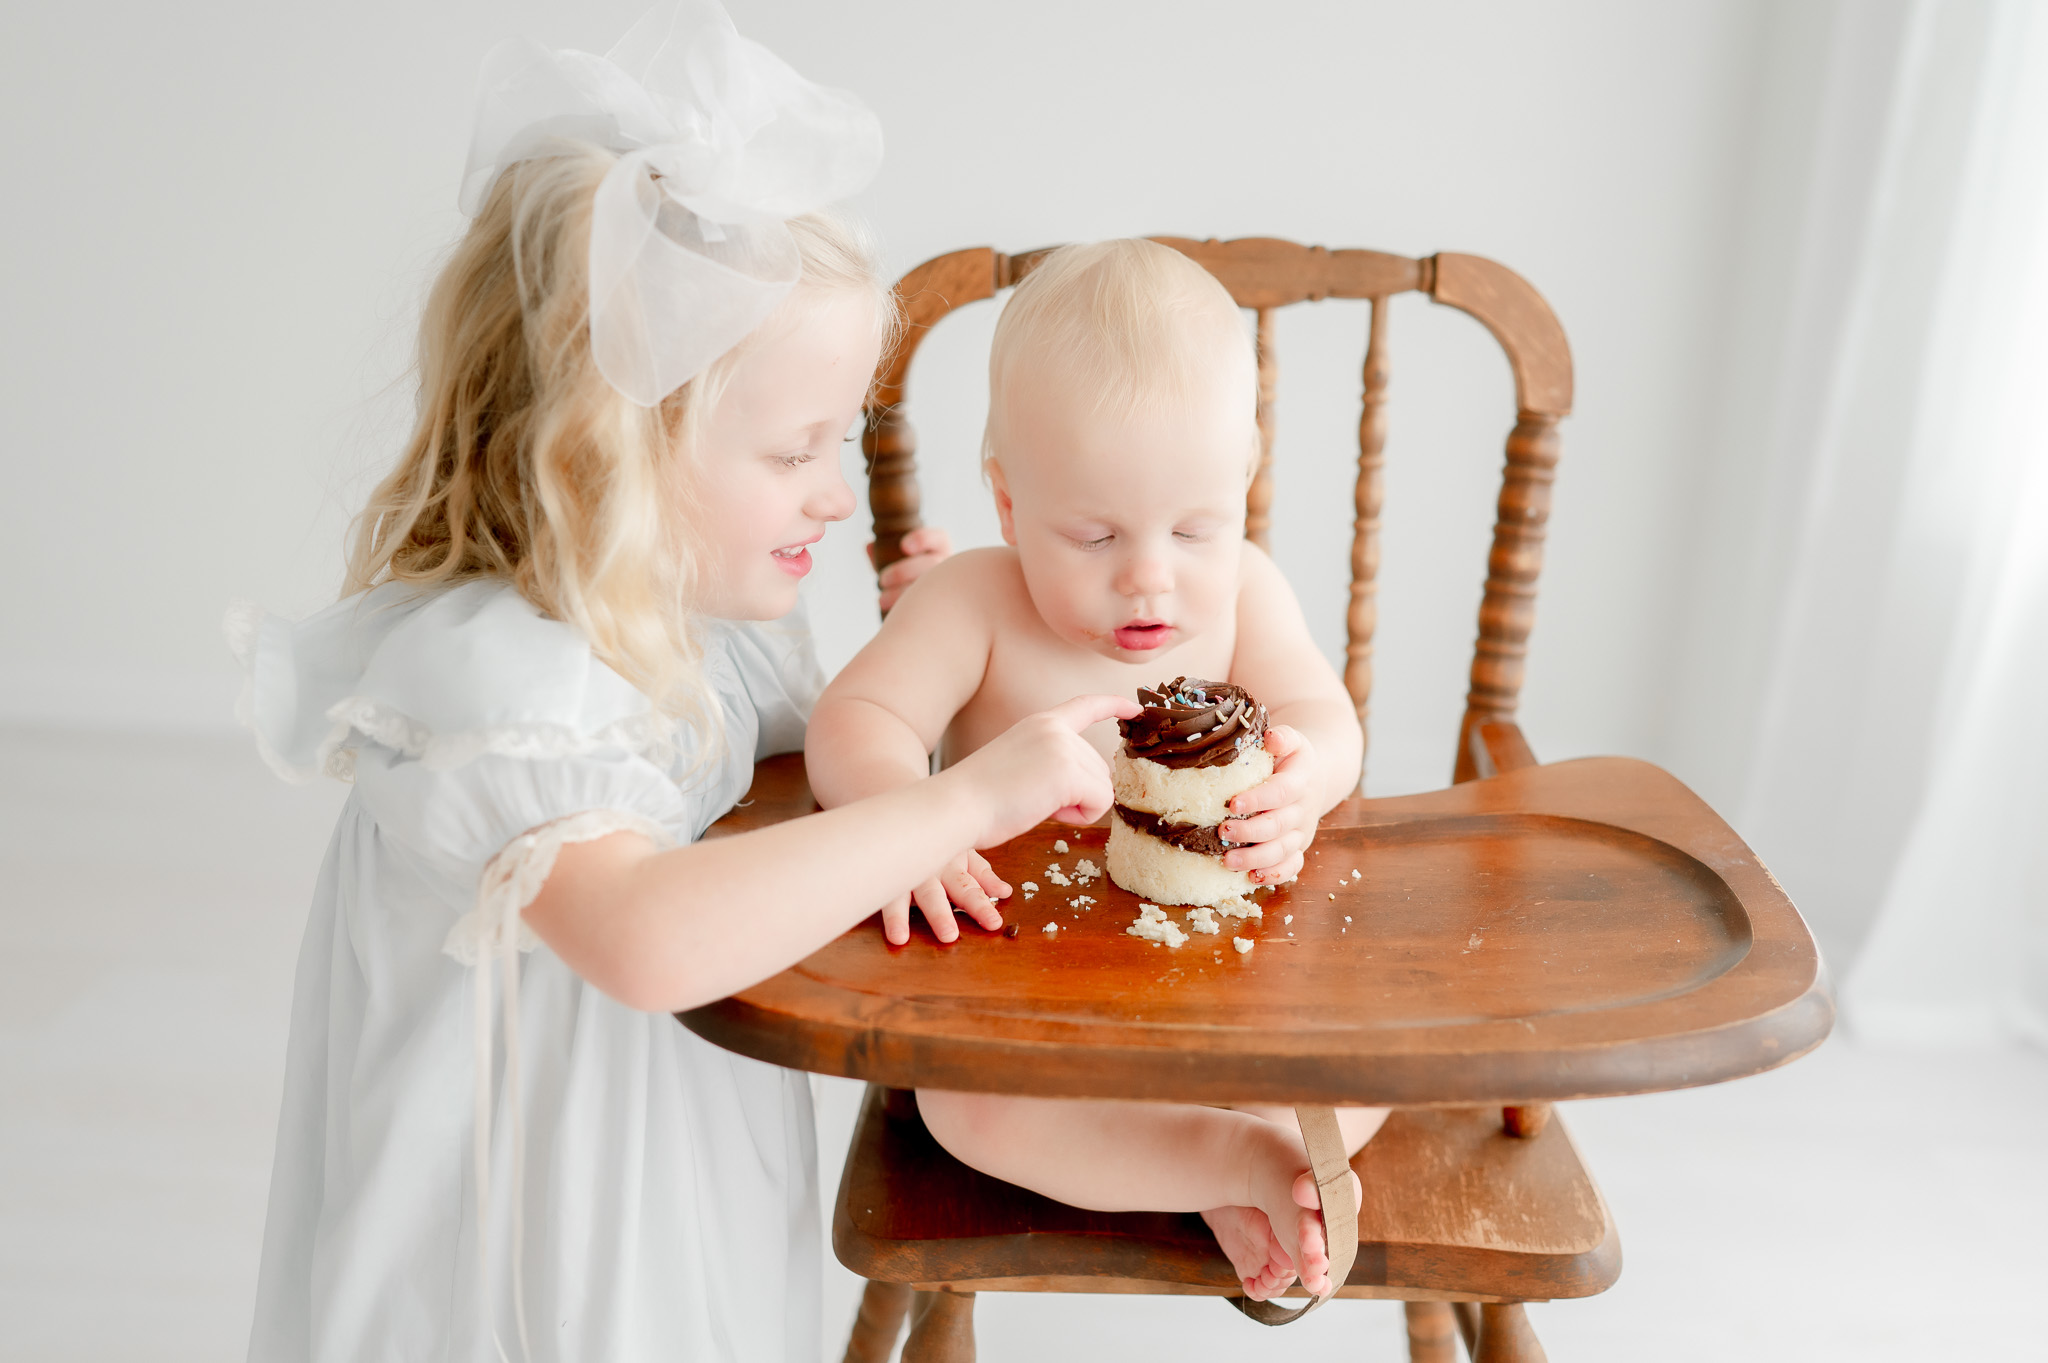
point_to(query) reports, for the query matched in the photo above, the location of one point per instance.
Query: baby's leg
(1126, 1156)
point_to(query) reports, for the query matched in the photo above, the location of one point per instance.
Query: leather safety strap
(1325, 1143)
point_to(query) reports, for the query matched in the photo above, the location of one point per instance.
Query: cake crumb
(1355, 875)
(1086, 870)
(1081, 901)
(1347, 918)
(1060, 845)
(1057, 876)
(1288, 919)
(1052, 927)
(1239, 907)
(1204, 920)
(1030, 887)
(1333, 897)
(1152, 925)
(1473, 940)
(1243, 944)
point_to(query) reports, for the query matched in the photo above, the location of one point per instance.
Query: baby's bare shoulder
(978, 578)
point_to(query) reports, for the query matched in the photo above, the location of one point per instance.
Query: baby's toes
(1315, 1256)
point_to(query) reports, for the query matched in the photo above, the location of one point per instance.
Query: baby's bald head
(1116, 331)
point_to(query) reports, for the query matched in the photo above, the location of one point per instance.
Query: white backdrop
(221, 221)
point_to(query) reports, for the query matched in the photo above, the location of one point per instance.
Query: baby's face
(1129, 532)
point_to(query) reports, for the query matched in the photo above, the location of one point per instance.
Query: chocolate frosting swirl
(1194, 723)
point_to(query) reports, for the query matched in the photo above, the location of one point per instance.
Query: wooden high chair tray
(1562, 931)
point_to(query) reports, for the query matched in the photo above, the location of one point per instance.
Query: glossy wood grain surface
(1565, 931)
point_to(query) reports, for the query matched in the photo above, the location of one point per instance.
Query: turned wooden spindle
(1432, 1332)
(1509, 607)
(891, 448)
(1258, 498)
(941, 1328)
(875, 1330)
(1362, 618)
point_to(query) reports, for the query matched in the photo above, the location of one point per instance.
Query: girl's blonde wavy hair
(526, 465)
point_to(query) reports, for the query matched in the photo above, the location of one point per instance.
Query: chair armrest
(1495, 746)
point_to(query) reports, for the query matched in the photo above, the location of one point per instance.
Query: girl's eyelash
(790, 461)
(1095, 543)
(1190, 535)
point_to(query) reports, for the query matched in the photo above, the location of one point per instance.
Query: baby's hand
(1273, 822)
(923, 548)
(967, 883)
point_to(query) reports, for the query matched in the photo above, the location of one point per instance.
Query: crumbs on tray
(1153, 925)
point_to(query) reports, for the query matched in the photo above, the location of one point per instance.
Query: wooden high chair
(1529, 934)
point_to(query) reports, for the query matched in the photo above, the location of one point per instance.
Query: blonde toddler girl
(568, 633)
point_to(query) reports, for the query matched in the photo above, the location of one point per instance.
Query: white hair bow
(722, 142)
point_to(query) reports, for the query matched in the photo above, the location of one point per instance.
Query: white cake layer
(1167, 874)
(1187, 794)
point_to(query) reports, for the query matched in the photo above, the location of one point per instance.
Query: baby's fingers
(896, 920)
(1282, 788)
(937, 909)
(992, 885)
(970, 899)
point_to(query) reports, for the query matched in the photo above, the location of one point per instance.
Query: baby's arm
(664, 931)
(1315, 739)
(878, 722)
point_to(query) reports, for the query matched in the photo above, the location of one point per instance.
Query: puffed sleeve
(491, 828)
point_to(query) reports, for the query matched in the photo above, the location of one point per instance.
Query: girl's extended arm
(666, 931)
(878, 722)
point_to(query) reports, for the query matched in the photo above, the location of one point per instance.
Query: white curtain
(1864, 686)
(1959, 954)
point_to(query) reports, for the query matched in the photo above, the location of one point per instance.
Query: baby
(1121, 439)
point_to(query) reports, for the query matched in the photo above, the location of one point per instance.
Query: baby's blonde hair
(525, 464)
(1127, 326)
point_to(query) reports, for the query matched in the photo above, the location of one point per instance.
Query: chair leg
(941, 1328)
(1505, 1336)
(1432, 1332)
(882, 1308)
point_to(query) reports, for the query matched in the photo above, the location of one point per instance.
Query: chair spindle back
(1263, 274)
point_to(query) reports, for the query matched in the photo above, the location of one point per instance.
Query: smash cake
(1192, 746)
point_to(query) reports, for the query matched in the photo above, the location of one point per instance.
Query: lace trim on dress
(514, 876)
(649, 735)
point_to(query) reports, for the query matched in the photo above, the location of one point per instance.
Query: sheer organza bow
(721, 144)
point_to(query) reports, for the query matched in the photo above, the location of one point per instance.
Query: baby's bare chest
(1026, 675)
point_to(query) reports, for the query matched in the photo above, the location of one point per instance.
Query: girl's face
(767, 466)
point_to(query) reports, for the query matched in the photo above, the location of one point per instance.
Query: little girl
(568, 635)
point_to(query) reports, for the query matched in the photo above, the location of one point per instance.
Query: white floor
(1854, 1205)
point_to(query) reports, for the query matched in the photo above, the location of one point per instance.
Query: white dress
(668, 1199)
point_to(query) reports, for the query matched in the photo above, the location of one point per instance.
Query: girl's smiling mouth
(794, 559)
(1142, 636)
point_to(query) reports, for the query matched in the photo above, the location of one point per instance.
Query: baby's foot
(1313, 1254)
(1254, 1252)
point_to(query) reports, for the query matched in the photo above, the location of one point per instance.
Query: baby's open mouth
(1144, 635)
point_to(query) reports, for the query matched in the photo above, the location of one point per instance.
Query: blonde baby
(1121, 438)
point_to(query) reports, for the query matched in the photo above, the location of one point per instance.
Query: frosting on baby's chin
(1193, 723)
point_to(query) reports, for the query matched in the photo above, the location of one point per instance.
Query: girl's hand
(966, 883)
(922, 548)
(1273, 821)
(1041, 768)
